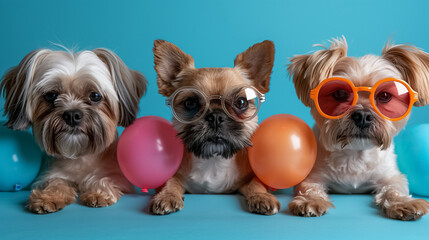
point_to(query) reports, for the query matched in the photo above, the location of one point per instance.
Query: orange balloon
(284, 151)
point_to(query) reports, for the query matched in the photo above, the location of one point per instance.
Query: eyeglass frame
(169, 102)
(314, 93)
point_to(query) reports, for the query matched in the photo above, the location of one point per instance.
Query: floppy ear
(129, 84)
(15, 86)
(309, 70)
(169, 62)
(257, 62)
(413, 64)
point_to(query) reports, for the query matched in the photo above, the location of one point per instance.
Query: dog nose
(73, 117)
(215, 119)
(362, 118)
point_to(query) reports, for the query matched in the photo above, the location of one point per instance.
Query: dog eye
(384, 97)
(341, 95)
(191, 104)
(50, 96)
(95, 97)
(241, 104)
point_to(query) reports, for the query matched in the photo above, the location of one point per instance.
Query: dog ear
(15, 86)
(309, 70)
(413, 64)
(129, 84)
(169, 62)
(257, 62)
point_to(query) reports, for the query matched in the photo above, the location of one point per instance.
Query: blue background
(213, 32)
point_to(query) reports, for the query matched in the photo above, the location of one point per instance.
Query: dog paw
(309, 206)
(407, 211)
(166, 203)
(263, 203)
(96, 200)
(41, 203)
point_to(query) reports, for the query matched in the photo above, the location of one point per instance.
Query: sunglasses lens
(392, 99)
(188, 105)
(242, 104)
(335, 97)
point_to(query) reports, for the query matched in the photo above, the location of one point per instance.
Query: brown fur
(403, 208)
(168, 71)
(413, 64)
(309, 70)
(309, 206)
(53, 196)
(12, 86)
(96, 199)
(258, 63)
(176, 69)
(130, 85)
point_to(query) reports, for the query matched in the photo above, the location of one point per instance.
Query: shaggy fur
(350, 159)
(99, 92)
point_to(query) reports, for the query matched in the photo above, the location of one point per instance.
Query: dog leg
(169, 199)
(311, 200)
(259, 199)
(392, 197)
(102, 192)
(52, 196)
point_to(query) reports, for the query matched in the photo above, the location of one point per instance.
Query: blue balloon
(20, 159)
(412, 148)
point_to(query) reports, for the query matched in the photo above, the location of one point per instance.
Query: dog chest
(358, 172)
(214, 175)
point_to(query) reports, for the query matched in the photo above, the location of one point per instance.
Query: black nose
(362, 118)
(73, 117)
(215, 119)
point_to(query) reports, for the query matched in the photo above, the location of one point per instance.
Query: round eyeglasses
(391, 98)
(189, 104)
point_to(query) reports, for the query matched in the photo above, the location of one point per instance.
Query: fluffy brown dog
(215, 115)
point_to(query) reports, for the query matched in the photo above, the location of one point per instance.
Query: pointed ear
(413, 64)
(309, 70)
(257, 62)
(169, 62)
(15, 86)
(129, 84)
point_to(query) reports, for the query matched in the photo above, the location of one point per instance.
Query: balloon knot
(144, 190)
(17, 187)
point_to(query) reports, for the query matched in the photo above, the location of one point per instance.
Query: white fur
(215, 175)
(56, 65)
(356, 170)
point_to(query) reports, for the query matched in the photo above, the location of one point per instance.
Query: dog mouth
(360, 136)
(213, 146)
(71, 131)
(217, 139)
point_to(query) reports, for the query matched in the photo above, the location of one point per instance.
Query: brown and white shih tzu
(359, 105)
(215, 114)
(73, 102)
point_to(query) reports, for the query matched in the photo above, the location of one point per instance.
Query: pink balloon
(149, 152)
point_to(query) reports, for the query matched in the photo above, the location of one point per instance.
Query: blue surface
(204, 217)
(213, 32)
